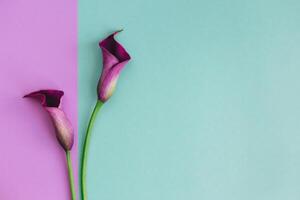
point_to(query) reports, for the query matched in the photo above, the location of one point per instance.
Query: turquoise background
(209, 106)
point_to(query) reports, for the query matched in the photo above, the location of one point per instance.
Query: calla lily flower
(50, 100)
(115, 57)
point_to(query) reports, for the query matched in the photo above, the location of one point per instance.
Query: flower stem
(71, 177)
(85, 149)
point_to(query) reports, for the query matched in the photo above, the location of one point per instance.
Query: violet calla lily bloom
(115, 58)
(50, 100)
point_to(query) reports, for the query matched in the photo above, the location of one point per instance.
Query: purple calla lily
(115, 57)
(50, 100)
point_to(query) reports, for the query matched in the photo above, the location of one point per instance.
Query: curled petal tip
(30, 95)
(118, 31)
(48, 98)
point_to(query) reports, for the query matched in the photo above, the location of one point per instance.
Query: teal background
(209, 106)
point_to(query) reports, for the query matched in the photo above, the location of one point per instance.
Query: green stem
(71, 177)
(85, 149)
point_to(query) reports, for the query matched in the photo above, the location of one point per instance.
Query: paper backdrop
(38, 49)
(209, 106)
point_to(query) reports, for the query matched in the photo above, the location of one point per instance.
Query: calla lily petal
(114, 48)
(62, 126)
(115, 57)
(110, 81)
(50, 100)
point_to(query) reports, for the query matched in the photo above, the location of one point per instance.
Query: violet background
(38, 51)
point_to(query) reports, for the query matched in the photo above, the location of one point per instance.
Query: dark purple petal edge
(114, 48)
(48, 98)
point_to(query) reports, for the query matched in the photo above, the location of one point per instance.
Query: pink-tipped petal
(115, 57)
(63, 127)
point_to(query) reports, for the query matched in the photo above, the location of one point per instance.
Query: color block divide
(207, 108)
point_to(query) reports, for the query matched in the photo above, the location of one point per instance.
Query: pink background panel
(38, 51)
